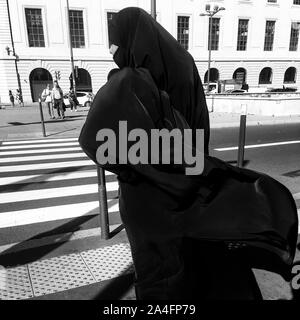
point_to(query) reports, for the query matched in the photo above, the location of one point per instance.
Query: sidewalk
(89, 268)
(25, 122)
(227, 120)
(86, 269)
(93, 269)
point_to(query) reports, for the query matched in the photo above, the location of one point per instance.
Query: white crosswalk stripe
(18, 142)
(23, 152)
(44, 157)
(54, 192)
(38, 185)
(40, 166)
(24, 217)
(49, 177)
(35, 146)
(24, 181)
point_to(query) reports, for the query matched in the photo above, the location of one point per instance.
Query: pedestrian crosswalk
(51, 180)
(43, 181)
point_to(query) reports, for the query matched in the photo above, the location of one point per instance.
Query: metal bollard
(42, 118)
(242, 138)
(104, 222)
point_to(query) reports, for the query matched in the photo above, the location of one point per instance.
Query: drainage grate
(109, 262)
(59, 274)
(15, 284)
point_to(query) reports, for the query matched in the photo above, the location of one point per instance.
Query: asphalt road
(279, 161)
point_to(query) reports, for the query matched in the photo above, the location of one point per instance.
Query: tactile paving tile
(109, 262)
(15, 284)
(59, 274)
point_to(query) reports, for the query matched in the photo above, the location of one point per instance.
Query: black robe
(180, 227)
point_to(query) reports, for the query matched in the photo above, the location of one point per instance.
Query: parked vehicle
(84, 98)
(213, 87)
(284, 89)
(233, 91)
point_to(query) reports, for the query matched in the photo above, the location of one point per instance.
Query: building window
(183, 31)
(265, 76)
(294, 36)
(242, 35)
(214, 75)
(290, 75)
(269, 35)
(110, 16)
(296, 1)
(35, 29)
(215, 26)
(240, 75)
(76, 28)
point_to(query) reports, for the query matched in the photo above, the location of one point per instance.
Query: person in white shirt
(57, 98)
(46, 97)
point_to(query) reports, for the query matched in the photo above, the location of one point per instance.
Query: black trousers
(58, 104)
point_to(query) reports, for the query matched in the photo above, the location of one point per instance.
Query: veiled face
(113, 49)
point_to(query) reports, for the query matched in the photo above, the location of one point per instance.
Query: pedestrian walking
(46, 98)
(57, 97)
(191, 236)
(73, 100)
(245, 86)
(19, 97)
(11, 98)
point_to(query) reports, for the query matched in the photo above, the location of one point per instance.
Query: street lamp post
(14, 54)
(71, 50)
(153, 9)
(210, 13)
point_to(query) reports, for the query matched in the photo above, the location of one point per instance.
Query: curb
(251, 123)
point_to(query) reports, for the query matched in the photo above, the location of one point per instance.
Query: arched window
(265, 76)
(290, 75)
(39, 78)
(240, 75)
(83, 80)
(214, 75)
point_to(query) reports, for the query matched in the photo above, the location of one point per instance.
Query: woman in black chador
(191, 236)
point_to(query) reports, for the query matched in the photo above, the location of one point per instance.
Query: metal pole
(209, 51)
(14, 53)
(104, 221)
(153, 9)
(242, 137)
(42, 118)
(71, 49)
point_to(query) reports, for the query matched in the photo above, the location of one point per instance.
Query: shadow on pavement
(117, 288)
(56, 133)
(27, 182)
(16, 255)
(19, 124)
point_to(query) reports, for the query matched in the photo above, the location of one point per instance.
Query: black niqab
(143, 42)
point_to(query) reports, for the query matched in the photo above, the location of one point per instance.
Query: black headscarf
(145, 43)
